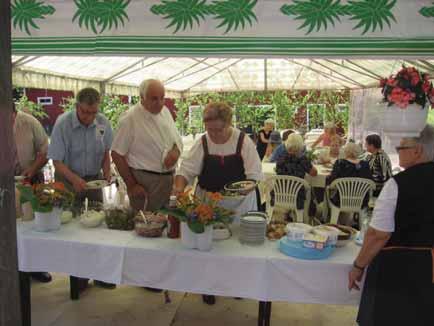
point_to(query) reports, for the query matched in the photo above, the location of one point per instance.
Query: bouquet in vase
(46, 196)
(199, 213)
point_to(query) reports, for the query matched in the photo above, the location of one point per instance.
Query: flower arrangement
(46, 196)
(199, 213)
(408, 86)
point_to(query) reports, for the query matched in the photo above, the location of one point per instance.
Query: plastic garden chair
(352, 192)
(286, 189)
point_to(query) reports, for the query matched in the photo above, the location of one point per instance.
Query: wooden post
(10, 314)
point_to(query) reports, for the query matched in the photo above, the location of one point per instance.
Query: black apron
(399, 288)
(219, 170)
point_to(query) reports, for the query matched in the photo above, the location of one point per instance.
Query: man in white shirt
(146, 148)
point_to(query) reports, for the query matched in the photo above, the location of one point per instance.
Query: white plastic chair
(352, 192)
(286, 189)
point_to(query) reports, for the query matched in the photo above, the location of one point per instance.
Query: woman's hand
(354, 277)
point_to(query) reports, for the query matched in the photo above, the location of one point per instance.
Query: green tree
(30, 107)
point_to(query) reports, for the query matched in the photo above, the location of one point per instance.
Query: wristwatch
(358, 267)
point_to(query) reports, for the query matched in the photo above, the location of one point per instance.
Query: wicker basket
(149, 230)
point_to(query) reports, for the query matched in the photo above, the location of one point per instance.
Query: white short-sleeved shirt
(383, 218)
(145, 138)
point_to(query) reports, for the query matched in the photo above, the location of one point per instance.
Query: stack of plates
(252, 229)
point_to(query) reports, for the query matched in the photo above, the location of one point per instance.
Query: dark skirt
(398, 290)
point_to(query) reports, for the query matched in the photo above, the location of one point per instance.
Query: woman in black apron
(223, 155)
(399, 285)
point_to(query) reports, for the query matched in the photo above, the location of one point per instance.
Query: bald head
(152, 95)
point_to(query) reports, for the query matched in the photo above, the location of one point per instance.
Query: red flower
(426, 86)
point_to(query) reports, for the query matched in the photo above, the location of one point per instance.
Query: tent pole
(10, 313)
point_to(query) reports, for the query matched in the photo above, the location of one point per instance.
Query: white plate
(253, 218)
(19, 177)
(247, 186)
(96, 184)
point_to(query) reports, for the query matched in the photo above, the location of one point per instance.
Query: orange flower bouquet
(199, 213)
(46, 196)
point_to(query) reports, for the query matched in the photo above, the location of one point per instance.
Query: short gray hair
(294, 143)
(426, 139)
(144, 85)
(352, 150)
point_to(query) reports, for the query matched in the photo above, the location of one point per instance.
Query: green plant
(100, 13)
(111, 107)
(431, 117)
(24, 12)
(284, 109)
(46, 196)
(36, 110)
(181, 116)
(198, 213)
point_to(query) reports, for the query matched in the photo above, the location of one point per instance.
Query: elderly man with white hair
(399, 244)
(146, 148)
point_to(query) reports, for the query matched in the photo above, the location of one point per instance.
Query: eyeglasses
(398, 148)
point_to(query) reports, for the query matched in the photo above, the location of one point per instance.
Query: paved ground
(131, 306)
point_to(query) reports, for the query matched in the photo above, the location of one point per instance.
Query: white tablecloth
(229, 269)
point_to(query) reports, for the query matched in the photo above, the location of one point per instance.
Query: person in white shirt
(399, 243)
(146, 148)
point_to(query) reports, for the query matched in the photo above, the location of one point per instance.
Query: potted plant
(407, 94)
(197, 217)
(48, 201)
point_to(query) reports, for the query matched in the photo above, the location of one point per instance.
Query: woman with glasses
(222, 155)
(398, 248)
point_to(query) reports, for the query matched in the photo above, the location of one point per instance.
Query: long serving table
(231, 269)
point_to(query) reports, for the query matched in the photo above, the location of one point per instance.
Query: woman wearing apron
(399, 244)
(222, 155)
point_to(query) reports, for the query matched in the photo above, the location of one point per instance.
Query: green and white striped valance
(304, 28)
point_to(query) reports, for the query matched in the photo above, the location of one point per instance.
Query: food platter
(241, 187)
(96, 184)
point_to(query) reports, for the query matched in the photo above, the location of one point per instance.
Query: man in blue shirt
(80, 145)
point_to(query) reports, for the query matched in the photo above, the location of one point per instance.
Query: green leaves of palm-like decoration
(183, 13)
(427, 12)
(24, 12)
(105, 14)
(315, 13)
(234, 13)
(370, 14)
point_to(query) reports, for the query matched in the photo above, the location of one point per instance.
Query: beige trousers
(158, 188)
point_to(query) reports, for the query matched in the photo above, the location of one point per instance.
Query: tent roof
(123, 74)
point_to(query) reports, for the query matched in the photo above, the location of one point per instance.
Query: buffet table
(229, 269)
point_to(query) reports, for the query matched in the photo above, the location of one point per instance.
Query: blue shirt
(79, 147)
(278, 151)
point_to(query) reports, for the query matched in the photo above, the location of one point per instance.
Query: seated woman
(336, 151)
(325, 138)
(295, 163)
(349, 167)
(379, 162)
